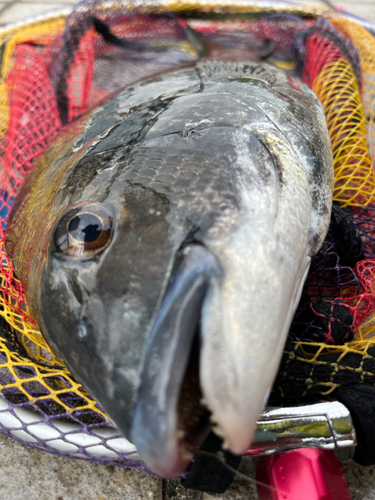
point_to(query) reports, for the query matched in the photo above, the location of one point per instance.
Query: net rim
(171, 5)
(189, 5)
(30, 418)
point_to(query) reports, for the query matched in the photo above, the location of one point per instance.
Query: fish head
(166, 274)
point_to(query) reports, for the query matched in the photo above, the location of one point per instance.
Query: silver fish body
(211, 188)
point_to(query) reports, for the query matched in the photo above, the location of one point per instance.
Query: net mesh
(346, 124)
(365, 43)
(53, 69)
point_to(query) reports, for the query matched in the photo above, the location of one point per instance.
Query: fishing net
(54, 68)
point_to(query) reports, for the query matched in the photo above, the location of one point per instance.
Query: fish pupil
(85, 228)
(84, 231)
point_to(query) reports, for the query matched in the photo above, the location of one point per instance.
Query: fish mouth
(170, 420)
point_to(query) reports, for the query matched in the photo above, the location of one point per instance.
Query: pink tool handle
(303, 474)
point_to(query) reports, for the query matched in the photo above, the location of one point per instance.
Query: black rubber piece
(360, 401)
(109, 37)
(210, 473)
(267, 50)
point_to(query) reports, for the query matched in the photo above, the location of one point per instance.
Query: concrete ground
(35, 475)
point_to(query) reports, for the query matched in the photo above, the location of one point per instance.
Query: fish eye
(84, 231)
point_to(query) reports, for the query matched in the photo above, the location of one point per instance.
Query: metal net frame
(54, 68)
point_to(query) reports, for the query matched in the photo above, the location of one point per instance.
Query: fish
(163, 241)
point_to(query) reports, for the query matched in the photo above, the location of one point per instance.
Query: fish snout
(170, 420)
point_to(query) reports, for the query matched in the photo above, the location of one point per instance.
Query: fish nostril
(85, 333)
(81, 331)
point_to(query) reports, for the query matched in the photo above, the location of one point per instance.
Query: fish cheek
(146, 239)
(62, 302)
(130, 283)
(135, 271)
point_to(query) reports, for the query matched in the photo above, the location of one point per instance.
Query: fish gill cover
(55, 68)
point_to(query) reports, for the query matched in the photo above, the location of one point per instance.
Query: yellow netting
(337, 88)
(24, 327)
(48, 371)
(55, 382)
(317, 355)
(365, 43)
